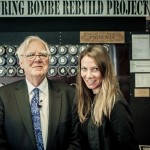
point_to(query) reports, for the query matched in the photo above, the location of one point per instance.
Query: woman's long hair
(103, 101)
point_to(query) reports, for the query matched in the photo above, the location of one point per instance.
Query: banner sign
(74, 8)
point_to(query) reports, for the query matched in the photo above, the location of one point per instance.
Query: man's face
(35, 67)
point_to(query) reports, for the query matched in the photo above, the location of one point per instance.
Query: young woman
(105, 117)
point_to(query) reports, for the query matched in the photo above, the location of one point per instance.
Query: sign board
(74, 8)
(102, 37)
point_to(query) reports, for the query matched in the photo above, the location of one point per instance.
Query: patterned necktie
(36, 119)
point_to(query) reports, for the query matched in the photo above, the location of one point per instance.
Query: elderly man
(36, 113)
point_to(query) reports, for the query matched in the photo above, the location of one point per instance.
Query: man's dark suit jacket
(16, 130)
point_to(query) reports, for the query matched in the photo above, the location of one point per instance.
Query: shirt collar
(42, 86)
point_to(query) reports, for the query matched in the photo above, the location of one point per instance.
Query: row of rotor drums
(9, 62)
(63, 61)
(53, 71)
(65, 55)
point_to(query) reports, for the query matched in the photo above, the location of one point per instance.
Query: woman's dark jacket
(114, 134)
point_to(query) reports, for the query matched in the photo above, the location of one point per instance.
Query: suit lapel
(22, 100)
(54, 113)
(55, 99)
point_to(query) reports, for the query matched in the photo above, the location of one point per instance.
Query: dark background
(53, 24)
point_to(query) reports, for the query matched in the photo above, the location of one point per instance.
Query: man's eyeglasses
(32, 55)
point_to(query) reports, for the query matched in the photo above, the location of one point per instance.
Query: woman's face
(91, 74)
